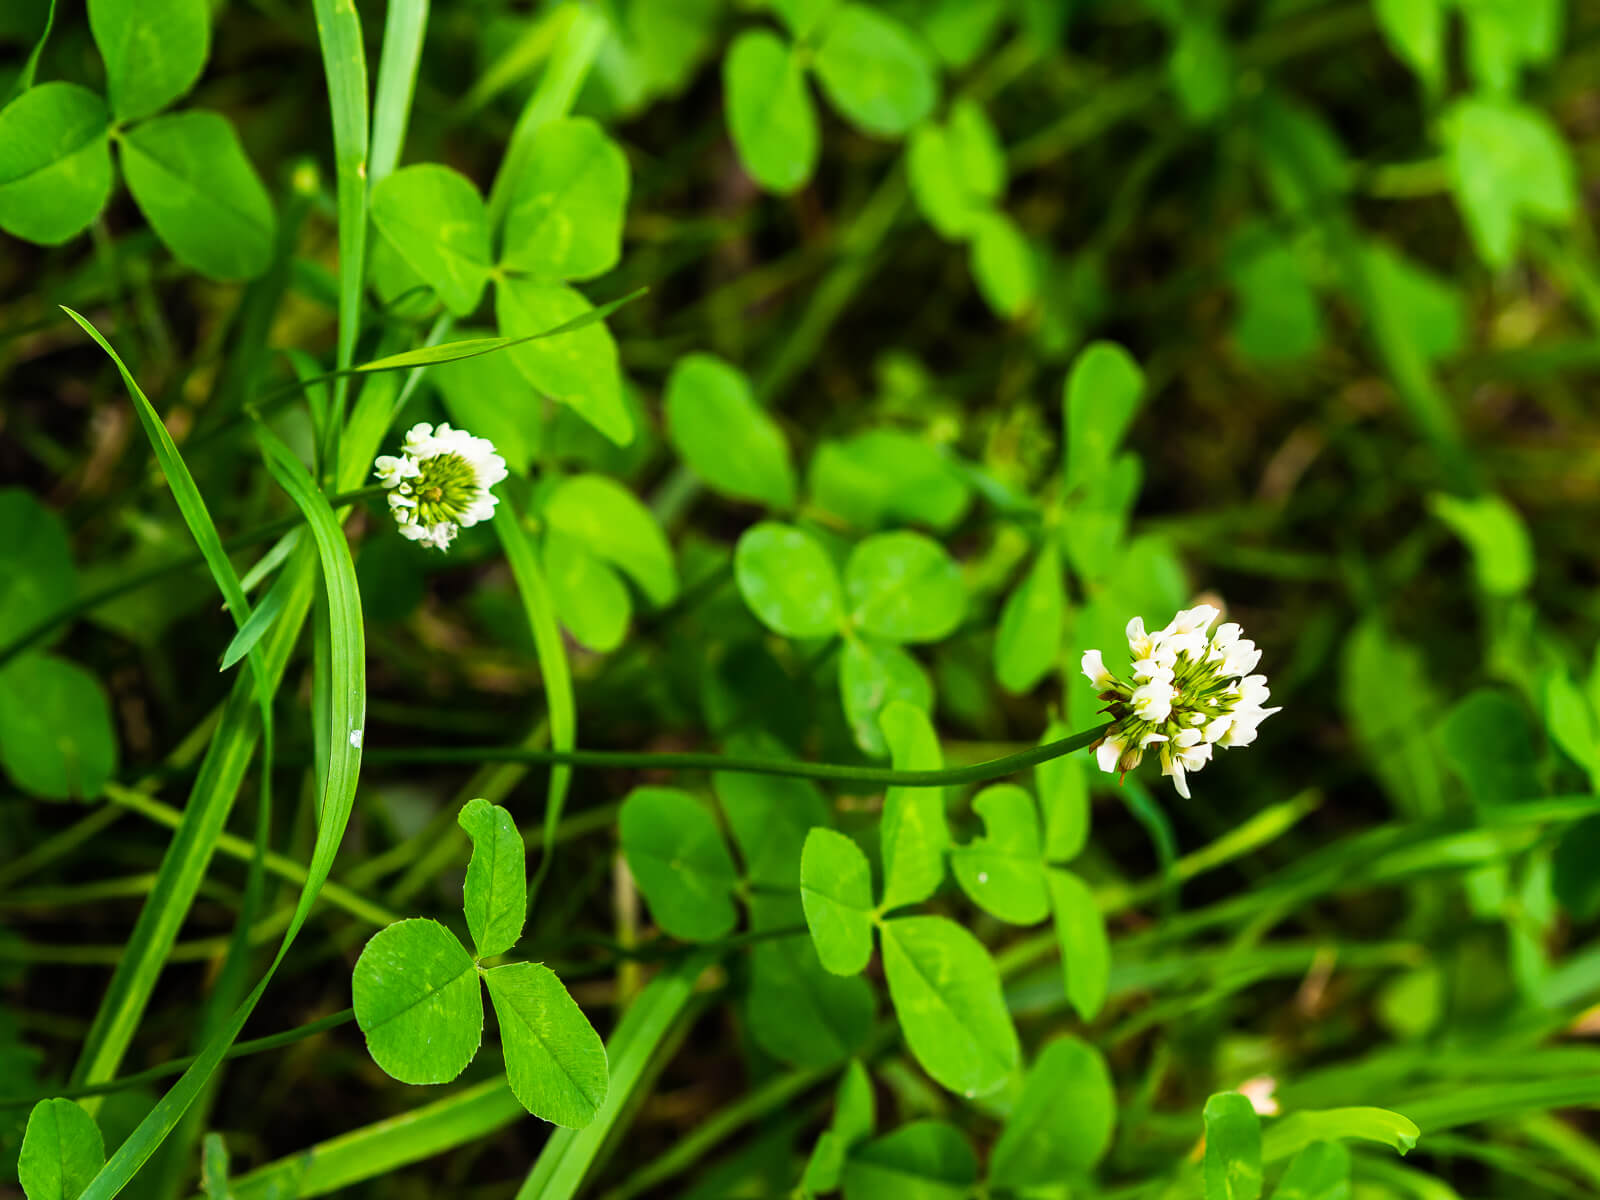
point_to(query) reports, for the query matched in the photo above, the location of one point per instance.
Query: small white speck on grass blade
(355, 738)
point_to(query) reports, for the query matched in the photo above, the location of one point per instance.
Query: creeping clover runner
(440, 484)
(1191, 691)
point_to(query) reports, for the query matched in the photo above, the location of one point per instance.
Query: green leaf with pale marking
(580, 369)
(436, 220)
(681, 863)
(875, 73)
(724, 436)
(788, 581)
(947, 997)
(925, 1160)
(154, 50)
(1061, 1125)
(590, 598)
(1085, 945)
(57, 738)
(417, 1000)
(612, 523)
(1003, 871)
(555, 1061)
(214, 1168)
(904, 587)
(1232, 1167)
(565, 219)
(873, 675)
(802, 1014)
(836, 892)
(55, 162)
(770, 114)
(1027, 642)
(1101, 396)
(914, 831)
(191, 179)
(1319, 1172)
(62, 1151)
(496, 893)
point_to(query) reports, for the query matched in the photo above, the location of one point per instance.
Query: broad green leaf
(565, 220)
(1391, 706)
(1488, 740)
(56, 734)
(873, 675)
(154, 50)
(1278, 318)
(1201, 69)
(1064, 799)
(1293, 1133)
(959, 30)
(1061, 1125)
(682, 865)
(788, 581)
(580, 369)
(957, 170)
(55, 162)
(1415, 31)
(436, 219)
(36, 572)
(836, 890)
(1003, 871)
(1027, 642)
(885, 477)
(1571, 721)
(1508, 164)
(417, 1000)
(1502, 553)
(769, 817)
(1004, 265)
(1319, 1172)
(904, 587)
(592, 602)
(1233, 1148)
(726, 438)
(770, 114)
(192, 181)
(875, 73)
(1095, 529)
(555, 1061)
(802, 1014)
(925, 1160)
(946, 993)
(914, 832)
(611, 523)
(1085, 945)
(1303, 161)
(1503, 36)
(61, 1151)
(855, 1114)
(1099, 400)
(496, 894)
(1419, 310)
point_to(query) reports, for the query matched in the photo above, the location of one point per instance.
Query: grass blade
(403, 28)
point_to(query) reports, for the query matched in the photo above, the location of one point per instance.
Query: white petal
(1153, 701)
(1094, 670)
(1107, 753)
(1215, 729)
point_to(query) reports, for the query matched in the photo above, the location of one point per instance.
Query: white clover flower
(440, 484)
(1259, 1091)
(1192, 691)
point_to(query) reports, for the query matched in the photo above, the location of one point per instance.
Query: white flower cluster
(1191, 691)
(440, 484)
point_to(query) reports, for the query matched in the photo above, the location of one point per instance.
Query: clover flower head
(1192, 691)
(440, 483)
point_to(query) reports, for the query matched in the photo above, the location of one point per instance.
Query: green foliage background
(857, 366)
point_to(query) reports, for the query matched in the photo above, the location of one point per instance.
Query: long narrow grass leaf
(397, 80)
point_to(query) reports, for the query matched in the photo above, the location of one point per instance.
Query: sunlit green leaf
(1028, 640)
(611, 523)
(1063, 798)
(581, 369)
(56, 734)
(1085, 945)
(1004, 265)
(1415, 31)
(565, 219)
(436, 220)
(1319, 1172)
(1297, 1130)
(770, 114)
(61, 1151)
(884, 476)
(788, 581)
(914, 831)
(1003, 871)
(1508, 164)
(555, 1061)
(1100, 397)
(726, 438)
(496, 890)
(55, 162)
(874, 71)
(836, 890)
(418, 1002)
(872, 675)
(1233, 1148)
(904, 587)
(925, 1160)
(591, 600)
(1061, 1124)
(154, 50)
(1502, 552)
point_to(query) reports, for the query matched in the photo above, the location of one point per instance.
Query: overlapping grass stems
(317, 582)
